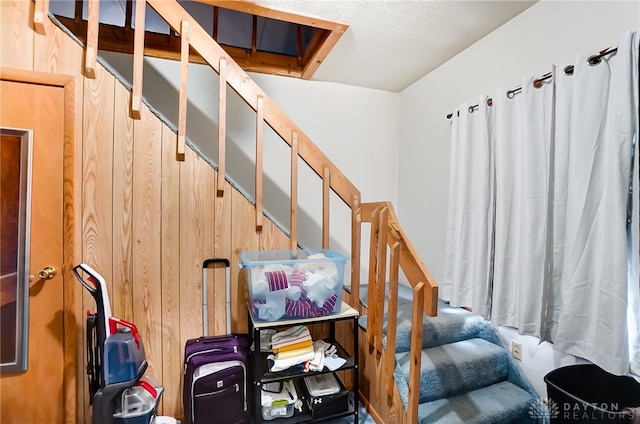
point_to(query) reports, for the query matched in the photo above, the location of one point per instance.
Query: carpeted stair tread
(467, 374)
(450, 325)
(503, 402)
(455, 368)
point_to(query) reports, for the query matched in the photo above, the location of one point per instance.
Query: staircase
(467, 375)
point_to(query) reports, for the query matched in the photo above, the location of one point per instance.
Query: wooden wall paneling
(16, 34)
(123, 128)
(56, 52)
(72, 64)
(74, 363)
(206, 215)
(172, 352)
(243, 238)
(191, 246)
(91, 49)
(222, 248)
(190, 290)
(147, 315)
(97, 165)
(272, 237)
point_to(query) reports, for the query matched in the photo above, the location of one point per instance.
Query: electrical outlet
(516, 350)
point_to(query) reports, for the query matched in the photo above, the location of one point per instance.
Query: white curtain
(470, 211)
(544, 194)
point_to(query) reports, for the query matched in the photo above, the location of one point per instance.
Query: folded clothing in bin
(289, 284)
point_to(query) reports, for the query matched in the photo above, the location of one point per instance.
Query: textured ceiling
(392, 43)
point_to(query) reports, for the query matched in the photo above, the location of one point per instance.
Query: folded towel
(295, 334)
(283, 364)
(293, 346)
(295, 352)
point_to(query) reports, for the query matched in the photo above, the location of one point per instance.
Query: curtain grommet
(594, 60)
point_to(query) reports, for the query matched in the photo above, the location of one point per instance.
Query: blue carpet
(467, 375)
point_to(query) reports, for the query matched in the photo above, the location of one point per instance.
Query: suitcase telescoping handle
(208, 263)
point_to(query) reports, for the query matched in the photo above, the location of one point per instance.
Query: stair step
(499, 403)
(456, 368)
(450, 325)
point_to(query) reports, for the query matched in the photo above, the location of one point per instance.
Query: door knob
(47, 273)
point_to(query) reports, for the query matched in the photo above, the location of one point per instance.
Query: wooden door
(36, 395)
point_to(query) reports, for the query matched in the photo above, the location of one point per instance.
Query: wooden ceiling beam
(114, 39)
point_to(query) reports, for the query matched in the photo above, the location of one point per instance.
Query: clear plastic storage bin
(273, 412)
(292, 284)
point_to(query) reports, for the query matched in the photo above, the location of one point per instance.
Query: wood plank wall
(146, 221)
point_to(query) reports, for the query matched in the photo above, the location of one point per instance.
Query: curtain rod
(537, 83)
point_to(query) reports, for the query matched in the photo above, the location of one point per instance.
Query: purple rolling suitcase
(215, 370)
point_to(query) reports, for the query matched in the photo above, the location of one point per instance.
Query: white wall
(551, 32)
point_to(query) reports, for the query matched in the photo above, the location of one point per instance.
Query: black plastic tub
(586, 393)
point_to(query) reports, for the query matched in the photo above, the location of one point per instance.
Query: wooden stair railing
(388, 239)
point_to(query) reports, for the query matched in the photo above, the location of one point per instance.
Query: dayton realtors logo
(546, 408)
(578, 411)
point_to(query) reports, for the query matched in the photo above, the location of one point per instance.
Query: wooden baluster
(40, 12)
(383, 223)
(184, 78)
(294, 191)
(254, 36)
(259, 159)
(356, 232)
(138, 59)
(415, 353)
(128, 18)
(392, 316)
(222, 125)
(299, 49)
(372, 305)
(326, 191)
(216, 13)
(91, 51)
